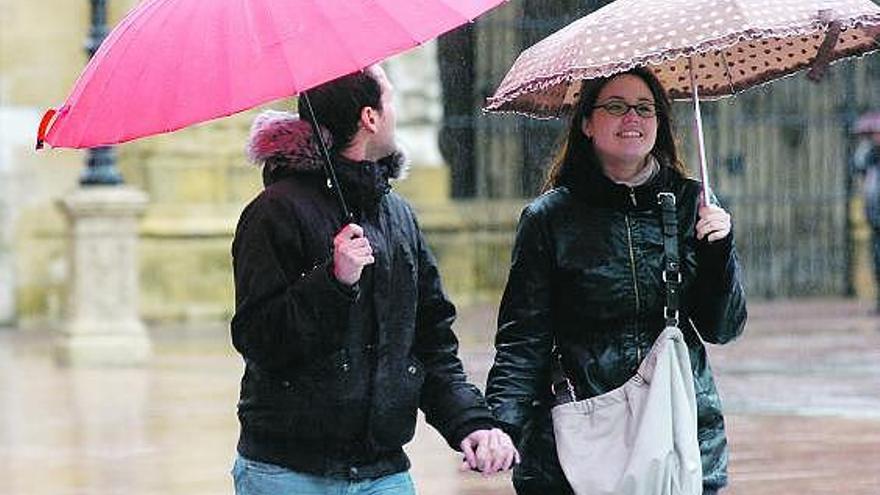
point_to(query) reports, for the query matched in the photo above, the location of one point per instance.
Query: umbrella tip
(44, 127)
(820, 62)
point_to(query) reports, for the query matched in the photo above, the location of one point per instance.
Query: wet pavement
(801, 390)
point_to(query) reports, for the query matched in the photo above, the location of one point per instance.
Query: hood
(283, 143)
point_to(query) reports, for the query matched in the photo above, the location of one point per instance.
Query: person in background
(866, 161)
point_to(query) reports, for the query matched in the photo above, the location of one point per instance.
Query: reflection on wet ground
(802, 391)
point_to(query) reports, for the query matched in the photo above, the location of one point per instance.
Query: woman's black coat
(586, 270)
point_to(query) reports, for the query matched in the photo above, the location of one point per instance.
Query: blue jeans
(259, 478)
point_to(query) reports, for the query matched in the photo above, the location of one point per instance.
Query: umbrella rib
(419, 40)
(152, 68)
(727, 71)
(348, 51)
(131, 29)
(289, 66)
(473, 17)
(459, 12)
(227, 63)
(415, 39)
(177, 94)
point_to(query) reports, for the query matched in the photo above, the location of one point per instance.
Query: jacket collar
(592, 186)
(285, 146)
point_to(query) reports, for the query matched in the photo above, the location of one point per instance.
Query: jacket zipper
(632, 196)
(632, 266)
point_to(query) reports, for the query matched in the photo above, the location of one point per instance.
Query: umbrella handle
(44, 127)
(329, 170)
(698, 124)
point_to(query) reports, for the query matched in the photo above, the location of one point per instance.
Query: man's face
(383, 142)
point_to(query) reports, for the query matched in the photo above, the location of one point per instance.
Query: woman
(587, 272)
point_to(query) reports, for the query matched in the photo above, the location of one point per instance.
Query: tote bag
(640, 438)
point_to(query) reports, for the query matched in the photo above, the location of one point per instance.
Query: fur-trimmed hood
(282, 143)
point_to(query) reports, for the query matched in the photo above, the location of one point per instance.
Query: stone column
(16, 139)
(7, 203)
(7, 265)
(102, 323)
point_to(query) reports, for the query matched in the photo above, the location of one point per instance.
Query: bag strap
(560, 385)
(671, 273)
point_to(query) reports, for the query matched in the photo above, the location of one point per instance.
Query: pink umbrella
(173, 63)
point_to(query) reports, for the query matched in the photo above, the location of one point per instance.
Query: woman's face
(626, 139)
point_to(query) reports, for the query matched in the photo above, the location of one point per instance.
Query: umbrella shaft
(698, 124)
(328, 162)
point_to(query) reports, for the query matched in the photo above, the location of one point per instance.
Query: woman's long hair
(576, 150)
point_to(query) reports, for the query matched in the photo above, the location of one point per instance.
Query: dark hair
(577, 151)
(337, 105)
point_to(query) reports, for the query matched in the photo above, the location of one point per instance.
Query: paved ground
(801, 388)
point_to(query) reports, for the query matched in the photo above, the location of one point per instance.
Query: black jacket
(586, 268)
(334, 375)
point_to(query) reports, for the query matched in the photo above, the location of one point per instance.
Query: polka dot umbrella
(699, 49)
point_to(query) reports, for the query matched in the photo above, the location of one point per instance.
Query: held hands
(488, 451)
(714, 222)
(351, 253)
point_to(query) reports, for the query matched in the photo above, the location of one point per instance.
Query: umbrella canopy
(173, 63)
(730, 45)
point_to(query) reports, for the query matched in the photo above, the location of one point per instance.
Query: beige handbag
(640, 438)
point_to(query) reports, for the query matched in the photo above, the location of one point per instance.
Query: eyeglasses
(621, 108)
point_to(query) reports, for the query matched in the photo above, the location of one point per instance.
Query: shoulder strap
(671, 273)
(560, 385)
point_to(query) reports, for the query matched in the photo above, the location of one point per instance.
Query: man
(344, 326)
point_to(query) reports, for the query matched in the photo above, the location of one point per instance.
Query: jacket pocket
(398, 404)
(305, 405)
(262, 467)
